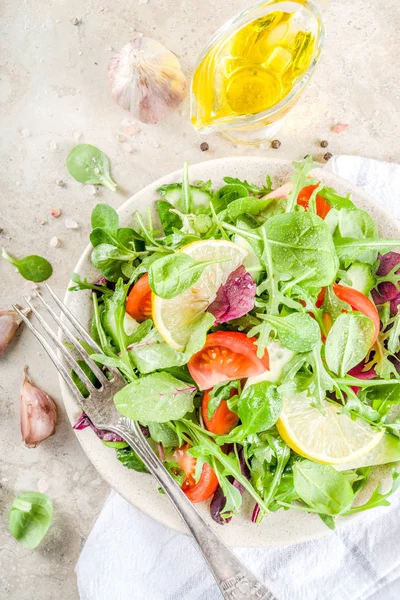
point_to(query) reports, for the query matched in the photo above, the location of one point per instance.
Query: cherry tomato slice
(208, 482)
(138, 303)
(359, 302)
(226, 355)
(304, 197)
(223, 419)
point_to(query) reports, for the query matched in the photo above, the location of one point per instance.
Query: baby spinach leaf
(29, 518)
(227, 194)
(301, 243)
(162, 433)
(322, 488)
(328, 520)
(130, 460)
(173, 274)
(109, 259)
(247, 206)
(87, 164)
(104, 216)
(348, 342)
(158, 398)
(297, 332)
(33, 267)
(169, 220)
(259, 407)
(253, 189)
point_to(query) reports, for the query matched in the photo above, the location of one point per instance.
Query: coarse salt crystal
(53, 146)
(127, 148)
(91, 189)
(77, 135)
(55, 242)
(340, 127)
(121, 138)
(41, 221)
(55, 212)
(25, 133)
(42, 485)
(71, 224)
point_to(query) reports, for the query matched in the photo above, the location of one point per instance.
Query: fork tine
(82, 331)
(64, 351)
(78, 347)
(57, 362)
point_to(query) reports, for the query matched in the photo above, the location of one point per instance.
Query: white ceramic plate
(283, 527)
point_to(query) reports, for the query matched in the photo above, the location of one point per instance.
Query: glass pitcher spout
(254, 68)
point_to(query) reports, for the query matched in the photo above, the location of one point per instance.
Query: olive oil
(252, 69)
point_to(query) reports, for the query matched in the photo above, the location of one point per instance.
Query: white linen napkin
(130, 556)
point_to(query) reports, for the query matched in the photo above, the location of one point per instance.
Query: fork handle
(235, 580)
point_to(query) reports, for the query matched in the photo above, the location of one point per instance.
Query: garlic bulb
(146, 78)
(9, 323)
(38, 414)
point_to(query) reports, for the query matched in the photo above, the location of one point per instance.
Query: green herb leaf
(300, 179)
(221, 392)
(29, 518)
(87, 164)
(33, 268)
(162, 433)
(104, 216)
(169, 220)
(247, 206)
(336, 201)
(348, 342)
(297, 332)
(158, 398)
(377, 498)
(130, 460)
(109, 259)
(173, 274)
(253, 189)
(259, 407)
(322, 488)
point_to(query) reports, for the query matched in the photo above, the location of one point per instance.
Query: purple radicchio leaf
(235, 297)
(358, 371)
(387, 291)
(107, 436)
(218, 502)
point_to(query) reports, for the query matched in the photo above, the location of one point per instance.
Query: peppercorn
(328, 156)
(275, 144)
(204, 146)
(323, 143)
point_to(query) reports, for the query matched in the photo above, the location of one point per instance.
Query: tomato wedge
(226, 355)
(208, 482)
(223, 419)
(138, 304)
(304, 197)
(359, 302)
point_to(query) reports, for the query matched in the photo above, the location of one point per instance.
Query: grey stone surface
(54, 93)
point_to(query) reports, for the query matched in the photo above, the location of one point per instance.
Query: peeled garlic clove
(9, 323)
(146, 78)
(38, 414)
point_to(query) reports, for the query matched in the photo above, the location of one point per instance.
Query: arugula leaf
(30, 518)
(222, 392)
(173, 274)
(109, 259)
(335, 200)
(169, 220)
(394, 336)
(253, 189)
(130, 460)
(300, 180)
(297, 332)
(158, 398)
(348, 342)
(322, 488)
(86, 285)
(377, 498)
(259, 407)
(321, 381)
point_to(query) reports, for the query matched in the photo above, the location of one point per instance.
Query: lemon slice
(174, 317)
(331, 439)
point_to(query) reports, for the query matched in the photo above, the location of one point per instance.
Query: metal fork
(235, 580)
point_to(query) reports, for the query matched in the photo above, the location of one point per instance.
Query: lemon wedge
(333, 438)
(173, 318)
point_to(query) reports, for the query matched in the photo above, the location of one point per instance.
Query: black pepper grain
(275, 144)
(328, 156)
(204, 146)
(324, 143)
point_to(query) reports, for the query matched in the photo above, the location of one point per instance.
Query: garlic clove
(9, 323)
(146, 78)
(38, 414)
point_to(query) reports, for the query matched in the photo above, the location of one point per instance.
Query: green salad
(258, 333)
